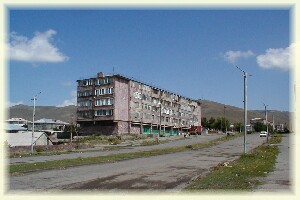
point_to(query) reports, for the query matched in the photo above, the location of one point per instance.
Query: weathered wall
(121, 100)
(135, 130)
(123, 127)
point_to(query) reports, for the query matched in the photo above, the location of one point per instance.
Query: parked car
(263, 134)
(228, 133)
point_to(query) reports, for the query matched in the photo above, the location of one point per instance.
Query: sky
(191, 52)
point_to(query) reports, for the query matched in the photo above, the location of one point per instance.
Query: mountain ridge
(208, 108)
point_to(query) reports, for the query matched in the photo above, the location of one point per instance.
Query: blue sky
(190, 52)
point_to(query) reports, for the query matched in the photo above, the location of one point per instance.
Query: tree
(211, 123)
(238, 127)
(70, 128)
(259, 126)
(204, 122)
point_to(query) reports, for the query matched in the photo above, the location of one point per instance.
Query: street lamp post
(33, 115)
(225, 120)
(245, 75)
(159, 130)
(266, 115)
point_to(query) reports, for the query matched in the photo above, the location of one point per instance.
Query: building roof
(50, 121)
(13, 127)
(18, 119)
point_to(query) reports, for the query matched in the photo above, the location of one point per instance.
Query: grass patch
(241, 174)
(149, 143)
(62, 164)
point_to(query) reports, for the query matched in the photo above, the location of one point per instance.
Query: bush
(39, 149)
(98, 134)
(148, 143)
(113, 140)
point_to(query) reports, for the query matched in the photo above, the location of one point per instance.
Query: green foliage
(39, 149)
(238, 127)
(70, 128)
(259, 126)
(113, 140)
(219, 123)
(148, 143)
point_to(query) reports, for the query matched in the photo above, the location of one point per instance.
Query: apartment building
(115, 104)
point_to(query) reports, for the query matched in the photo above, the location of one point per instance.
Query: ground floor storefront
(123, 127)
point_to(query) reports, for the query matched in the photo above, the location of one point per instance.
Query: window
(103, 112)
(154, 100)
(85, 93)
(84, 114)
(137, 95)
(167, 119)
(102, 81)
(83, 103)
(103, 91)
(85, 82)
(104, 102)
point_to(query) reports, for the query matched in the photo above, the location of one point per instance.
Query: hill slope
(51, 112)
(235, 114)
(209, 109)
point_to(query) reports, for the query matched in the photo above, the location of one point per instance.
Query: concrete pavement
(129, 149)
(280, 180)
(169, 171)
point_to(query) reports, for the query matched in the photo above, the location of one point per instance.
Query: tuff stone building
(115, 104)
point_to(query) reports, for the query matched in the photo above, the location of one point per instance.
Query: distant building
(13, 128)
(48, 124)
(255, 120)
(280, 127)
(115, 104)
(18, 121)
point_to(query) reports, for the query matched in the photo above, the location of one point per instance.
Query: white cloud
(35, 50)
(276, 58)
(10, 104)
(234, 56)
(69, 102)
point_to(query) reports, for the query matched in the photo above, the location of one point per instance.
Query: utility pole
(245, 75)
(225, 120)
(159, 131)
(266, 121)
(273, 124)
(33, 115)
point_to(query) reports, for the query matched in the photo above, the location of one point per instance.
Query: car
(263, 134)
(228, 133)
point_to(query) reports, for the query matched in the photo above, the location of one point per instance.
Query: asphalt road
(83, 153)
(164, 172)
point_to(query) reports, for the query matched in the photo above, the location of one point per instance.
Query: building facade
(115, 104)
(18, 121)
(48, 124)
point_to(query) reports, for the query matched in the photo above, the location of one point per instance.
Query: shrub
(113, 140)
(39, 149)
